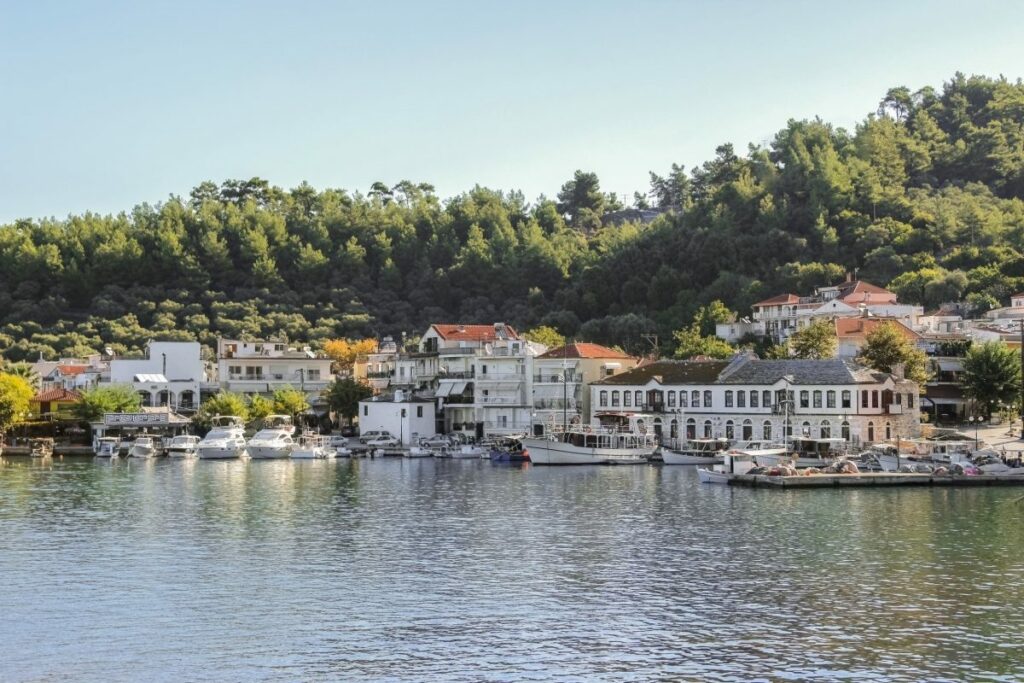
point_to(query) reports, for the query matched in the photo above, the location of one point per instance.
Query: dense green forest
(925, 196)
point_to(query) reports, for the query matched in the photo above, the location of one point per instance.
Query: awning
(950, 366)
(458, 387)
(444, 389)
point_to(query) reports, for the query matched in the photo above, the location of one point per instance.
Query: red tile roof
(860, 292)
(861, 327)
(780, 299)
(480, 333)
(71, 369)
(584, 350)
(57, 394)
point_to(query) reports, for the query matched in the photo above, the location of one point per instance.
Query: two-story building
(73, 374)
(264, 366)
(560, 382)
(747, 398)
(169, 374)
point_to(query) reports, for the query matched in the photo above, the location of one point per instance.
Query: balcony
(458, 374)
(500, 377)
(382, 374)
(458, 400)
(499, 401)
(555, 404)
(555, 379)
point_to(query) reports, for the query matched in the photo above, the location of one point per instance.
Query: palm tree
(25, 371)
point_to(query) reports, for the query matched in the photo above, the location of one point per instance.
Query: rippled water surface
(462, 570)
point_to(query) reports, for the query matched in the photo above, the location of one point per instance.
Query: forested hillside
(924, 196)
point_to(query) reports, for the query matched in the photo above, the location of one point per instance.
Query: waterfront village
(469, 383)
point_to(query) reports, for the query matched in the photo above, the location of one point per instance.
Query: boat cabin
(818, 448)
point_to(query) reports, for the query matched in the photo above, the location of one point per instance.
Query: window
(830, 399)
(483, 369)
(863, 399)
(753, 399)
(627, 398)
(805, 399)
(766, 431)
(691, 429)
(874, 398)
(871, 431)
(707, 429)
(817, 399)
(826, 429)
(728, 399)
(805, 429)
(673, 430)
(603, 402)
(846, 399)
(910, 400)
(615, 399)
(707, 399)
(682, 399)
(845, 431)
(748, 430)
(419, 411)
(741, 399)
(766, 399)
(888, 431)
(671, 399)
(695, 399)
(638, 398)
(366, 410)
(730, 431)
(313, 374)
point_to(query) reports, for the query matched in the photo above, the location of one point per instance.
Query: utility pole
(653, 340)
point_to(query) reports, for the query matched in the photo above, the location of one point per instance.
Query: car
(372, 434)
(348, 430)
(338, 441)
(383, 441)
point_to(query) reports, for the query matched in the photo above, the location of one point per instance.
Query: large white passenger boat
(224, 440)
(312, 447)
(592, 445)
(274, 440)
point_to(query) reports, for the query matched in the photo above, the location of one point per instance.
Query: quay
(866, 479)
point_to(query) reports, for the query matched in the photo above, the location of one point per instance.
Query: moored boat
(224, 441)
(107, 447)
(312, 447)
(274, 440)
(592, 445)
(143, 447)
(183, 446)
(695, 452)
(733, 463)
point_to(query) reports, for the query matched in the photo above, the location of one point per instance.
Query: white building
(169, 375)
(73, 374)
(747, 398)
(408, 418)
(262, 367)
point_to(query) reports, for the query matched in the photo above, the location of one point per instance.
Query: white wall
(387, 416)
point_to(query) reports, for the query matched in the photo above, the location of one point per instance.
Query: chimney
(899, 371)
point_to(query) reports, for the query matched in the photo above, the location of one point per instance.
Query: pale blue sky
(109, 104)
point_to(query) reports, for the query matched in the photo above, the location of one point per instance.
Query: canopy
(444, 389)
(458, 387)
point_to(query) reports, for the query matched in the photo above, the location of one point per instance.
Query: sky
(105, 105)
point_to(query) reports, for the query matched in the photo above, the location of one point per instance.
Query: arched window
(766, 399)
(805, 429)
(830, 399)
(730, 432)
(846, 399)
(871, 431)
(817, 398)
(682, 399)
(728, 398)
(707, 429)
(671, 396)
(748, 430)
(846, 431)
(766, 430)
(638, 398)
(805, 399)
(888, 431)
(627, 399)
(603, 401)
(753, 399)
(707, 399)
(615, 399)
(695, 399)
(691, 429)
(673, 429)
(826, 429)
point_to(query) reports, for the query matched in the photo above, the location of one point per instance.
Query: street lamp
(976, 421)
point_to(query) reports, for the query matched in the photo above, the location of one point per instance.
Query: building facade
(408, 418)
(264, 366)
(169, 375)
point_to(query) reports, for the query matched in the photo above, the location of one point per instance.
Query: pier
(866, 479)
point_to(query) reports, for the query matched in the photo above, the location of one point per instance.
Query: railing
(459, 374)
(554, 404)
(499, 401)
(380, 375)
(499, 377)
(458, 400)
(555, 379)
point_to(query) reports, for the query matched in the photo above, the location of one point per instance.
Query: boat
(468, 452)
(107, 447)
(509, 450)
(925, 451)
(274, 440)
(733, 463)
(40, 448)
(695, 452)
(592, 445)
(224, 441)
(418, 452)
(804, 452)
(312, 447)
(143, 447)
(183, 446)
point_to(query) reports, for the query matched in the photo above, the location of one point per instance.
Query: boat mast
(565, 387)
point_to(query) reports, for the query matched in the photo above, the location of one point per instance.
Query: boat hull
(268, 452)
(676, 458)
(220, 452)
(713, 477)
(775, 459)
(545, 452)
(181, 452)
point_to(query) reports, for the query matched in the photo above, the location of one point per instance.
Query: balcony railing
(458, 400)
(498, 401)
(554, 404)
(499, 377)
(383, 374)
(457, 374)
(555, 379)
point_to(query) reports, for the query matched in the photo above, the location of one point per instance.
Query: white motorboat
(591, 445)
(183, 446)
(224, 441)
(418, 452)
(695, 452)
(804, 452)
(733, 463)
(312, 447)
(468, 452)
(923, 451)
(107, 447)
(143, 447)
(274, 440)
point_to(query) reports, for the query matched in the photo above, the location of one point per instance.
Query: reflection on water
(460, 570)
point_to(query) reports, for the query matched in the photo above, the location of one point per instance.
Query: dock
(866, 479)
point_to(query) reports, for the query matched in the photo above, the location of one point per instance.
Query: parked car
(383, 441)
(373, 434)
(338, 441)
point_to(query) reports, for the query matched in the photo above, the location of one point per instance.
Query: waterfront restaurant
(747, 398)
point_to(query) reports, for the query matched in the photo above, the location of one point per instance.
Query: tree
(115, 398)
(222, 403)
(582, 200)
(886, 347)
(816, 341)
(259, 407)
(690, 343)
(288, 401)
(992, 375)
(25, 371)
(15, 394)
(548, 336)
(344, 395)
(709, 317)
(344, 352)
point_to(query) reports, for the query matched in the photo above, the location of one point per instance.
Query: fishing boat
(924, 451)
(592, 445)
(804, 452)
(468, 452)
(312, 447)
(107, 447)
(225, 439)
(274, 440)
(696, 452)
(509, 450)
(183, 446)
(733, 463)
(143, 447)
